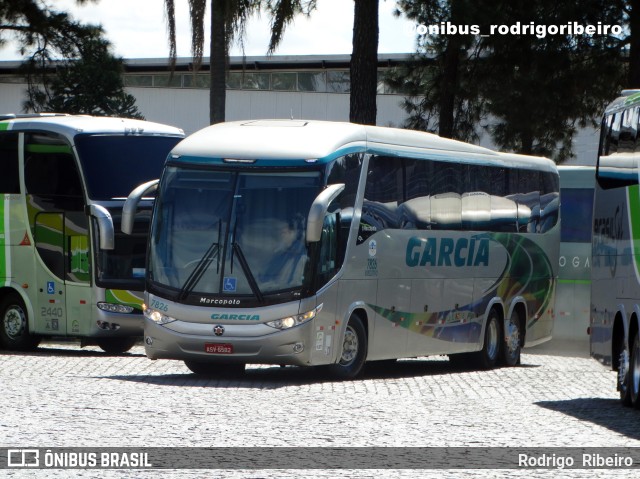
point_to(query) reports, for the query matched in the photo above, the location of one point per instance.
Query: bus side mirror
(131, 204)
(315, 219)
(105, 226)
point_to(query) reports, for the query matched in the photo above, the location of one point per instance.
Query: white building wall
(189, 109)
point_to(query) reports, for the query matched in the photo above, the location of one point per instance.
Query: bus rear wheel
(634, 372)
(624, 364)
(353, 352)
(512, 341)
(14, 330)
(116, 345)
(215, 370)
(488, 356)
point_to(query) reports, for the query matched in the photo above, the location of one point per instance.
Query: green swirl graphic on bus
(528, 273)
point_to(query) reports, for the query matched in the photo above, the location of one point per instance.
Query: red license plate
(218, 348)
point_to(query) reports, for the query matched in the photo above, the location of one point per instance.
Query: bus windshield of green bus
(113, 165)
(231, 233)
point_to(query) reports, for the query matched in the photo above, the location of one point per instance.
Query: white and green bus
(615, 277)
(574, 276)
(64, 271)
(310, 243)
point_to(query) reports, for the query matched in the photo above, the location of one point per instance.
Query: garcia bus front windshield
(230, 233)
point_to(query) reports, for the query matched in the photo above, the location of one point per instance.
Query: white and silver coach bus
(615, 278)
(320, 243)
(64, 271)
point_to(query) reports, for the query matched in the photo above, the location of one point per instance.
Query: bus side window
(613, 134)
(10, 178)
(51, 172)
(337, 223)
(617, 163)
(627, 137)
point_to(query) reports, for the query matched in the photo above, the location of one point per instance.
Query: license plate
(218, 348)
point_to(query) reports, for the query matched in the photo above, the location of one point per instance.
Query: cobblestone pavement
(64, 396)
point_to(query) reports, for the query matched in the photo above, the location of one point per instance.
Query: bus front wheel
(353, 352)
(14, 330)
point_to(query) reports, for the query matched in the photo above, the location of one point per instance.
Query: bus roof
(311, 139)
(71, 125)
(626, 99)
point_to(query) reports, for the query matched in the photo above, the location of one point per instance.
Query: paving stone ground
(65, 396)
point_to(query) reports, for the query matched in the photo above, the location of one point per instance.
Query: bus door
(50, 310)
(55, 206)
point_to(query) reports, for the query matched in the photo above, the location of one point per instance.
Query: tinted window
(9, 178)
(115, 165)
(576, 210)
(424, 194)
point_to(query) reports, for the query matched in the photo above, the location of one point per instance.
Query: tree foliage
(440, 82)
(228, 23)
(531, 93)
(364, 63)
(91, 85)
(68, 65)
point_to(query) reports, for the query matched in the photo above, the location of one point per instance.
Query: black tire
(512, 346)
(634, 372)
(14, 325)
(623, 372)
(215, 370)
(488, 356)
(353, 353)
(117, 345)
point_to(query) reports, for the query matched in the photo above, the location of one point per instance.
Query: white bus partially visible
(64, 271)
(318, 243)
(574, 274)
(615, 278)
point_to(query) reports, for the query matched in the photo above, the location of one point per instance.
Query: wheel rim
(512, 337)
(635, 371)
(13, 322)
(349, 347)
(492, 339)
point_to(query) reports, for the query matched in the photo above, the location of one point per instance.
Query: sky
(137, 29)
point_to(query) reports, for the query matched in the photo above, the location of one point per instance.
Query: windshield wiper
(202, 266)
(247, 272)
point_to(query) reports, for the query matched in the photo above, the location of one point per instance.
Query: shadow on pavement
(69, 349)
(608, 413)
(274, 377)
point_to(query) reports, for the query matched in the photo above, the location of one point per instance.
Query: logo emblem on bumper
(218, 330)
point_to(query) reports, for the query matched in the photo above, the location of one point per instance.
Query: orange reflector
(25, 241)
(82, 301)
(25, 286)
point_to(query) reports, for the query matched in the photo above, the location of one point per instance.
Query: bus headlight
(115, 308)
(156, 316)
(291, 321)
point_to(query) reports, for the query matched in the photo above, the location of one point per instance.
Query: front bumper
(251, 343)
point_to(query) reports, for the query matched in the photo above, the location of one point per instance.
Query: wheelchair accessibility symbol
(229, 284)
